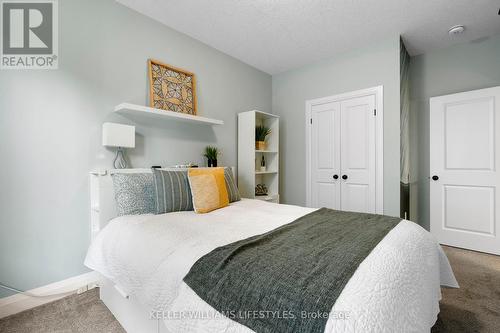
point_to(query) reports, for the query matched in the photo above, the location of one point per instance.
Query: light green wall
(50, 129)
(458, 68)
(372, 65)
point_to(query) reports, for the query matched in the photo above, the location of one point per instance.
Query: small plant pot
(260, 145)
(212, 163)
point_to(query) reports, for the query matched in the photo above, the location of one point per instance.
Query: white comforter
(395, 289)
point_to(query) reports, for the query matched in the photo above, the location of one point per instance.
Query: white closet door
(358, 145)
(464, 162)
(325, 155)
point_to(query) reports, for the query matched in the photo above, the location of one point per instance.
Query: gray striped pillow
(232, 189)
(172, 190)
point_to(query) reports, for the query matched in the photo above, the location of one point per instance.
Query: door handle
(435, 178)
(335, 176)
(344, 177)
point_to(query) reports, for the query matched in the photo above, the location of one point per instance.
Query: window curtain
(404, 85)
(405, 113)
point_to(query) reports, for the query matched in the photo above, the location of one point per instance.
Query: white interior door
(358, 145)
(325, 155)
(464, 161)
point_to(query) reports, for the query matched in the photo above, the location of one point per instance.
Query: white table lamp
(120, 136)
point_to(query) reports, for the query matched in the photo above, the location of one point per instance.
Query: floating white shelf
(270, 197)
(265, 172)
(266, 151)
(128, 109)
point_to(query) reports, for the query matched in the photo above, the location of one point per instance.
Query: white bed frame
(132, 315)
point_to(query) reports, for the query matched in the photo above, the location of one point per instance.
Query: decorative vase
(212, 163)
(260, 145)
(263, 164)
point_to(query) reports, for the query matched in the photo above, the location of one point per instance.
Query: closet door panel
(325, 155)
(358, 154)
(355, 197)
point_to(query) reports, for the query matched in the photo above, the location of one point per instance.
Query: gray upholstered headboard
(102, 197)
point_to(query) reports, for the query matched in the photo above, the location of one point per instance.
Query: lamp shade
(118, 135)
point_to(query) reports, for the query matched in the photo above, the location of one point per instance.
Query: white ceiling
(278, 35)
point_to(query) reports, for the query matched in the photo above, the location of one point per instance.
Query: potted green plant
(261, 132)
(211, 153)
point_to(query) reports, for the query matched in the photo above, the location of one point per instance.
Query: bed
(144, 259)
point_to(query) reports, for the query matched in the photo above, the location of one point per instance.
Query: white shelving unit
(249, 174)
(140, 111)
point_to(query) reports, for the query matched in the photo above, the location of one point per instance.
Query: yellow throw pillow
(208, 187)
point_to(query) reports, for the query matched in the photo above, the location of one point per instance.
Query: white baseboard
(51, 292)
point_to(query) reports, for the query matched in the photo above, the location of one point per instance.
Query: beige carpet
(475, 307)
(84, 313)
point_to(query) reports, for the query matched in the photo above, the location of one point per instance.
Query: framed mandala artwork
(171, 88)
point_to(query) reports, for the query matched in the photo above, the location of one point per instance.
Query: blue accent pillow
(134, 193)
